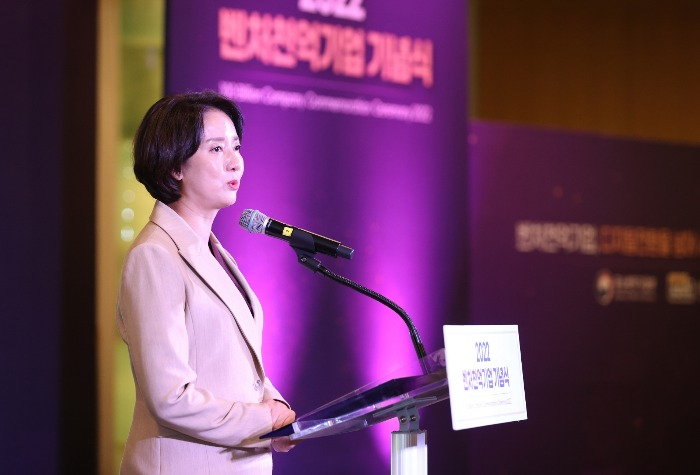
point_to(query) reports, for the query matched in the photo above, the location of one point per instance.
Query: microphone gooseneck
(306, 245)
(412, 330)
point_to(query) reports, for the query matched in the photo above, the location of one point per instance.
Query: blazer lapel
(200, 259)
(233, 267)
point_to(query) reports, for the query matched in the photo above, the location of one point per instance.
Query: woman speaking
(191, 322)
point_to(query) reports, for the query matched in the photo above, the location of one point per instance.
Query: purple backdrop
(592, 246)
(362, 140)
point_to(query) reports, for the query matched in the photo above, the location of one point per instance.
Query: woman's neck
(200, 222)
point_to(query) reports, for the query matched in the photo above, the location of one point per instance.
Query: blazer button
(257, 385)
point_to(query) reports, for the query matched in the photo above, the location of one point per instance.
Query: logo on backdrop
(611, 240)
(681, 288)
(604, 287)
(610, 287)
(621, 241)
(287, 42)
(345, 9)
(320, 47)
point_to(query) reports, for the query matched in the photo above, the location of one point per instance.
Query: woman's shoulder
(153, 237)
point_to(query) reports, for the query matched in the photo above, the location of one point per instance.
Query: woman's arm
(152, 307)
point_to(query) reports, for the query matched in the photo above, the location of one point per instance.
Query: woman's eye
(218, 148)
(237, 148)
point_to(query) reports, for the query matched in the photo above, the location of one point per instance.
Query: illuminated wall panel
(355, 129)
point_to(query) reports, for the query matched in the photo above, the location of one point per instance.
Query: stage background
(591, 245)
(362, 140)
(623, 69)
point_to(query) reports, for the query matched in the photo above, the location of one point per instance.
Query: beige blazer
(195, 351)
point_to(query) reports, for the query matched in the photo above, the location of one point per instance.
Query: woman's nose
(235, 161)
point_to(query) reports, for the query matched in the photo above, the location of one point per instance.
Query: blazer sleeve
(152, 306)
(272, 393)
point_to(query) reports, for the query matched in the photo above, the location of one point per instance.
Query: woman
(192, 324)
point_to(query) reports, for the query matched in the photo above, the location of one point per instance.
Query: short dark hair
(170, 133)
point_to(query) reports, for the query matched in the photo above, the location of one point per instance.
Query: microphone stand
(303, 244)
(409, 449)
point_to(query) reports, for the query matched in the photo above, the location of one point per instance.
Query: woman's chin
(230, 201)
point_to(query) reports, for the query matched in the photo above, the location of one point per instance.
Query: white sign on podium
(484, 375)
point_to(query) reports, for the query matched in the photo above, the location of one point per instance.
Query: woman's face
(210, 178)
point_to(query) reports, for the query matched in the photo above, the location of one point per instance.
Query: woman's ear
(177, 174)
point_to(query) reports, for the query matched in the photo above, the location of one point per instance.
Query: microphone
(257, 223)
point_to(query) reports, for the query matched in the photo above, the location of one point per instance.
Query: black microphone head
(253, 220)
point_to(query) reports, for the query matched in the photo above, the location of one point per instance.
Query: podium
(480, 385)
(399, 395)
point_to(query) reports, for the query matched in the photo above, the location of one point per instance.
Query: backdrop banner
(355, 129)
(591, 245)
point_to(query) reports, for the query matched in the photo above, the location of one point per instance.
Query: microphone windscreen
(253, 220)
